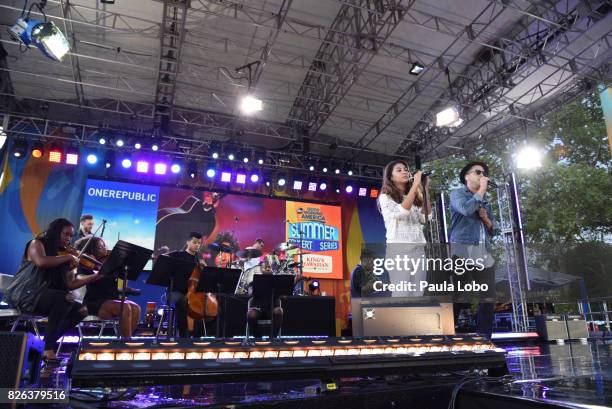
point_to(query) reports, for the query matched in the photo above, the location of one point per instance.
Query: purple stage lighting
(161, 168)
(142, 166)
(323, 186)
(349, 189)
(312, 187)
(226, 177)
(126, 163)
(297, 185)
(211, 173)
(241, 178)
(254, 178)
(175, 168)
(363, 191)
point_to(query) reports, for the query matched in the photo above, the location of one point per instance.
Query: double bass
(200, 305)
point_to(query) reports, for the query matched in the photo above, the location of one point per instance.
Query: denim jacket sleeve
(464, 202)
(495, 229)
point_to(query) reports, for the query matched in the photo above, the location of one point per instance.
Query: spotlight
(528, 157)
(154, 147)
(254, 178)
(175, 168)
(260, 161)
(211, 172)
(192, 170)
(363, 191)
(226, 177)
(416, 68)
(314, 286)
(215, 155)
(373, 193)
(322, 186)
(448, 117)
(348, 189)
(281, 181)
(350, 173)
(142, 166)
(126, 163)
(55, 155)
(102, 141)
(241, 178)
(245, 159)
(20, 149)
(337, 171)
(137, 145)
(324, 169)
(311, 168)
(119, 142)
(231, 156)
(92, 159)
(250, 104)
(109, 160)
(160, 168)
(45, 35)
(297, 185)
(72, 157)
(37, 150)
(312, 186)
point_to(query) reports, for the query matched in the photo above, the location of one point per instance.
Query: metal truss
(171, 43)
(542, 41)
(31, 128)
(364, 28)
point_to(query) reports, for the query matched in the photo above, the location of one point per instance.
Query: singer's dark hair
(86, 217)
(389, 188)
(259, 241)
(194, 234)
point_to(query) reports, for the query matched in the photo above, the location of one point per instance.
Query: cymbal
(249, 253)
(286, 246)
(220, 248)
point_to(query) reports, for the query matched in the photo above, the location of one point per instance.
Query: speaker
(551, 327)
(20, 355)
(576, 327)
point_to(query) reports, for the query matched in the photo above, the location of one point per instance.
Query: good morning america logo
(314, 236)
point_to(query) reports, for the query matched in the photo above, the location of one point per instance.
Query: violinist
(102, 297)
(177, 298)
(47, 252)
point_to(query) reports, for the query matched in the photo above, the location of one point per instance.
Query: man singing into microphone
(472, 226)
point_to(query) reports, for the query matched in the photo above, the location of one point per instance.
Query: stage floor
(573, 374)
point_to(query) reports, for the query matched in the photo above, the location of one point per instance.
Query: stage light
(245, 159)
(363, 192)
(226, 177)
(142, 166)
(192, 169)
(119, 143)
(20, 149)
(175, 168)
(109, 160)
(374, 193)
(254, 178)
(281, 181)
(324, 169)
(322, 186)
(215, 155)
(137, 145)
(311, 168)
(37, 150)
(92, 159)
(416, 68)
(448, 117)
(154, 147)
(350, 173)
(348, 189)
(312, 186)
(260, 161)
(45, 35)
(211, 172)
(250, 104)
(297, 185)
(126, 163)
(241, 178)
(102, 141)
(529, 157)
(231, 156)
(55, 155)
(314, 285)
(337, 171)
(160, 168)
(72, 158)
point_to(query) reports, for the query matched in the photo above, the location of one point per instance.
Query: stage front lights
(226, 177)
(175, 168)
(92, 158)
(297, 185)
(363, 191)
(241, 178)
(448, 117)
(20, 149)
(312, 186)
(250, 104)
(416, 68)
(160, 168)
(211, 172)
(126, 163)
(142, 166)
(45, 35)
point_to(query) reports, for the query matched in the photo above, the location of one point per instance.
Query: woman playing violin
(47, 252)
(102, 297)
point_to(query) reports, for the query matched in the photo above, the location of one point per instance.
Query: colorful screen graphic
(153, 216)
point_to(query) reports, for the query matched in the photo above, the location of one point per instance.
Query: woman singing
(55, 301)
(403, 209)
(102, 297)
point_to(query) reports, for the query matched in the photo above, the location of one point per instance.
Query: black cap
(469, 166)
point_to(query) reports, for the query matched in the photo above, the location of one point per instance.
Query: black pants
(62, 315)
(260, 310)
(179, 301)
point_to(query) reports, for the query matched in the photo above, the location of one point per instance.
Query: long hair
(89, 248)
(51, 237)
(389, 188)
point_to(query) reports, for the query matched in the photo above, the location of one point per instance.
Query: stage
(540, 375)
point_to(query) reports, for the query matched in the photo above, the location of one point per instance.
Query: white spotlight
(528, 158)
(251, 104)
(448, 117)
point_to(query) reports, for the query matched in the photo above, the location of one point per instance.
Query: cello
(200, 305)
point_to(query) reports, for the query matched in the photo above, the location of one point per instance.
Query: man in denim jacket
(472, 225)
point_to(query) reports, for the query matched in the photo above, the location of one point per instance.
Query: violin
(85, 260)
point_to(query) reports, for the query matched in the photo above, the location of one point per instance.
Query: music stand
(219, 280)
(171, 273)
(126, 261)
(272, 286)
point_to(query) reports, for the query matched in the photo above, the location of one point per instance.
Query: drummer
(251, 256)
